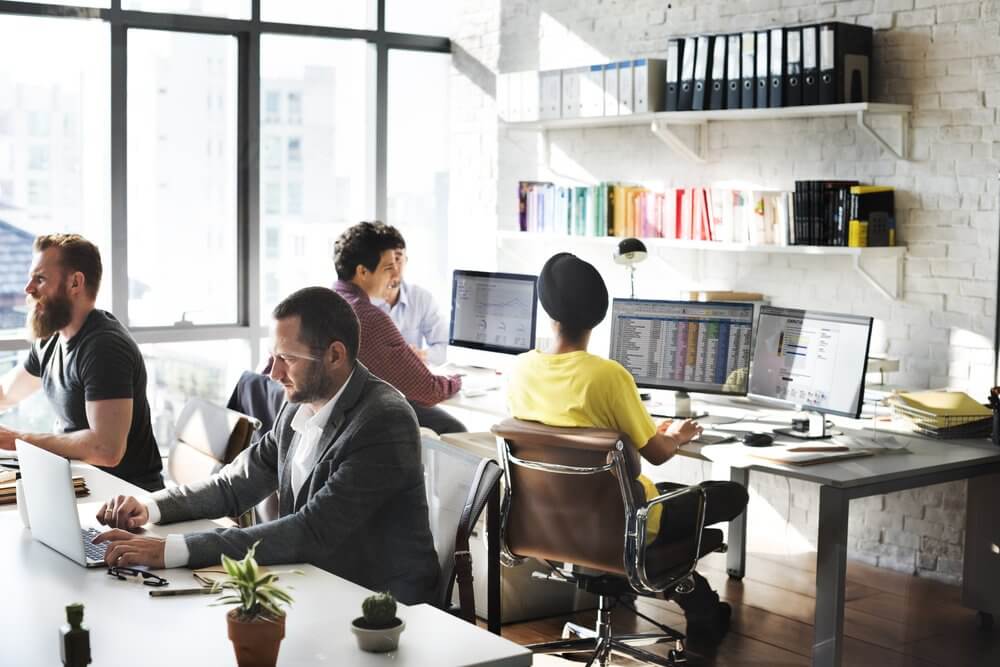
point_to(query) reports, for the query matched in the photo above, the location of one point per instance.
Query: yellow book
(945, 403)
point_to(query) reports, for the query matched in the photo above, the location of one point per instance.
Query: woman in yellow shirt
(568, 386)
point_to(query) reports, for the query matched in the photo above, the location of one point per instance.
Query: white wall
(941, 57)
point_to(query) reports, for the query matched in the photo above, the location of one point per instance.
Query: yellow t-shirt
(579, 389)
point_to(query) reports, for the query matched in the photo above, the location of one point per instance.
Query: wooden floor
(890, 620)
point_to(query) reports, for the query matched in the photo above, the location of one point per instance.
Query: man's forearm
(84, 445)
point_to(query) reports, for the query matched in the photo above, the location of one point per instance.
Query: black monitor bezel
(772, 400)
(678, 387)
(488, 347)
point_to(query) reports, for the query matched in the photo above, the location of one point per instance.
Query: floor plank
(891, 619)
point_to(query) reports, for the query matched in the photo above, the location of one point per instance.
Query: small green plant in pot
(378, 629)
(257, 624)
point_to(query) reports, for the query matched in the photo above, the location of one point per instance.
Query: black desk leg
(737, 538)
(831, 577)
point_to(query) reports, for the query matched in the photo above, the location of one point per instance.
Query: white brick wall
(941, 56)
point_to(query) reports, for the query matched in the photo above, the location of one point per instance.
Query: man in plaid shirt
(365, 260)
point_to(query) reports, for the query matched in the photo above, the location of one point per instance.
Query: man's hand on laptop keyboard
(126, 549)
(123, 512)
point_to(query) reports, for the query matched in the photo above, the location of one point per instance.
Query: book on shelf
(755, 217)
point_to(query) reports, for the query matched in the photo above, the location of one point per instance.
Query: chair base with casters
(572, 498)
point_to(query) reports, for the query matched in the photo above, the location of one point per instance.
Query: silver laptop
(47, 486)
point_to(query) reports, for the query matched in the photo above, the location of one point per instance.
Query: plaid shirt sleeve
(388, 356)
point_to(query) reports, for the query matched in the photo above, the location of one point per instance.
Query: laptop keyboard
(714, 438)
(93, 551)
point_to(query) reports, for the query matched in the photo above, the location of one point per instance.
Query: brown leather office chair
(572, 498)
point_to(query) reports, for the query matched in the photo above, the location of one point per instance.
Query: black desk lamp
(630, 252)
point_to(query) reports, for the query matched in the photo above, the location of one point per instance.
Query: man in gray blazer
(344, 456)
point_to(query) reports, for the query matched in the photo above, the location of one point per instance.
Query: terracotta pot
(380, 640)
(256, 642)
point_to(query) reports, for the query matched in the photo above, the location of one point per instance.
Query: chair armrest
(636, 539)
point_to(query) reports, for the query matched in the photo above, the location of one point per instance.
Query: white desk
(127, 627)
(927, 462)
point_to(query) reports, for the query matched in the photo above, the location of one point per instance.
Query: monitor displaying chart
(684, 345)
(811, 360)
(493, 311)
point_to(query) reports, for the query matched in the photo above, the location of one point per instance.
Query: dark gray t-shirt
(101, 362)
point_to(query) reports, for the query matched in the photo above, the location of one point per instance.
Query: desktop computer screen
(683, 345)
(493, 311)
(811, 360)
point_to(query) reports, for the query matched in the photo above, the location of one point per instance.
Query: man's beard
(57, 312)
(315, 387)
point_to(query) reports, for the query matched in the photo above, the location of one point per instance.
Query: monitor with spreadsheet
(683, 345)
(811, 360)
(493, 311)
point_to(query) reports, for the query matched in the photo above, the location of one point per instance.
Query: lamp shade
(630, 251)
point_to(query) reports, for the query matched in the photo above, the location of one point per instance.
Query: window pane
(430, 17)
(230, 9)
(33, 414)
(177, 372)
(181, 178)
(350, 14)
(418, 162)
(317, 168)
(54, 146)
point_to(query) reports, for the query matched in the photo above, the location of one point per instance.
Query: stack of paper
(8, 490)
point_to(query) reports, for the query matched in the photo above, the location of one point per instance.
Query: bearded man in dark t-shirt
(90, 368)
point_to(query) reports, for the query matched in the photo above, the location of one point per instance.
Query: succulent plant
(379, 610)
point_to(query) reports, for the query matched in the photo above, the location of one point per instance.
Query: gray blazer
(361, 514)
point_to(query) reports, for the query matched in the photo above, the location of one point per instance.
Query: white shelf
(866, 261)
(661, 123)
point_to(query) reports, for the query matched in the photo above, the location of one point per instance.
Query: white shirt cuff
(175, 551)
(152, 509)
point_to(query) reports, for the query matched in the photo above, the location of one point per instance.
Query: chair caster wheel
(677, 657)
(984, 620)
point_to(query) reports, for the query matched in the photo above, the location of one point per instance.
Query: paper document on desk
(741, 456)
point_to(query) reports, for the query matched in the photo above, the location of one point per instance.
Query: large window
(323, 180)
(54, 145)
(418, 162)
(137, 129)
(182, 184)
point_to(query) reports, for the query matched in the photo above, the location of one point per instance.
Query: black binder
(845, 52)
(686, 94)
(702, 73)
(776, 97)
(748, 50)
(810, 65)
(733, 80)
(675, 49)
(793, 67)
(762, 70)
(717, 95)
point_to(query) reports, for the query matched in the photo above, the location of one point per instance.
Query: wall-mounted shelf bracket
(884, 272)
(695, 150)
(882, 136)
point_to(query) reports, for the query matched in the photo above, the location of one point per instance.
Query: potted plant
(257, 624)
(378, 629)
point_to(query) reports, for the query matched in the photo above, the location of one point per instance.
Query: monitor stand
(815, 429)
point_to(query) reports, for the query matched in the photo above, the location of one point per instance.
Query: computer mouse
(758, 439)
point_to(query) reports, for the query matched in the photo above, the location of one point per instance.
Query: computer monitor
(493, 311)
(684, 345)
(810, 360)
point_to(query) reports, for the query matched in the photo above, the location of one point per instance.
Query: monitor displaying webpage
(809, 359)
(683, 345)
(493, 311)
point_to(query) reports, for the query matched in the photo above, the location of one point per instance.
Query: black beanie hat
(572, 292)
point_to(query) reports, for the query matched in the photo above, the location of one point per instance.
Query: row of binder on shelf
(843, 213)
(779, 67)
(615, 209)
(612, 89)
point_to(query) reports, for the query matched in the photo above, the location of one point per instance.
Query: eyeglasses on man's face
(291, 359)
(132, 574)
